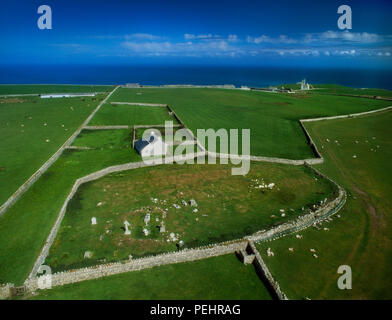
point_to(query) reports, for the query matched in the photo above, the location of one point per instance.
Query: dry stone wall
(25, 186)
(352, 115)
(105, 127)
(94, 176)
(5, 291)
(186, 255)
(263, 269)
(140, 104)
(307, 220)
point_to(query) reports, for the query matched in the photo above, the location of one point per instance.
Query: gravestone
(127, 224)
(193, 203)
(93, 220)
(147, 218)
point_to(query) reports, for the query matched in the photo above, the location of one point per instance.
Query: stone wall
(352, 115)
(266, 159)
(25, 186)
(105, 127)
(310, 141)
(186, 255)
(5, 292)
(304, 221)
(262, 269)
(300, 223)
(140, 104)
(94, 176)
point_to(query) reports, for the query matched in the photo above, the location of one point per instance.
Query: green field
(272, 118)
(362, 236)
(336, 89)
(131, 115)
(32, 129)
(223, 277)
(228, 207)
(29, 221)
(51, 88)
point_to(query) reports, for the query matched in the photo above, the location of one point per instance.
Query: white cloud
(326, 44)
(328, 36)
(363, 37)
(188, 48)
(142, 36)
(266, 39)
(232, 38)
(189, 36)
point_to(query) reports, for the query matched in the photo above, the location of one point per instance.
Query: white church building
(151, 145)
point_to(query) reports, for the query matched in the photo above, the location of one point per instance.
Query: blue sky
(286, 33)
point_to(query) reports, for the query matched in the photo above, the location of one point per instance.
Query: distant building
(151, 146)
(304, 85)
(66, 95)
(132, 85)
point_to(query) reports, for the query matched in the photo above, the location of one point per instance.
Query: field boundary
(25, 186)
(351, 115)
(43, 94)
(105, 127)
(262, 269)
(160, 105)
(94, 176)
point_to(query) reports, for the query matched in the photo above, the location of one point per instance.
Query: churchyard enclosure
(360, 234)
(272, 118)
(223, 277)
(174, 206)
(32, 129)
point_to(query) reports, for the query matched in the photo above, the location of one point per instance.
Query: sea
(192, 74)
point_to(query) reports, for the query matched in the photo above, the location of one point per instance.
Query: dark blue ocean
(199, 75)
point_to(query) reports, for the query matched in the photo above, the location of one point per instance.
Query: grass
(229, 207)
(51, 88)
(222, 278)
(361, 237)
(32, 129)
(337, 89)
(272, 118)
(26, 225)
(104, 139)
(130, 115)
